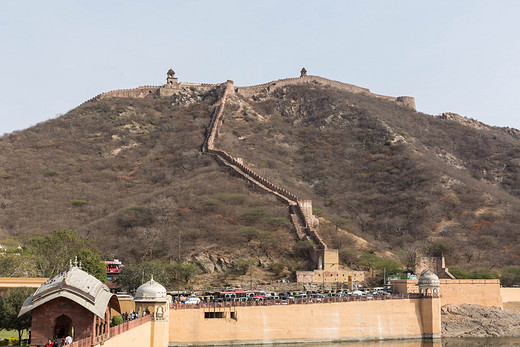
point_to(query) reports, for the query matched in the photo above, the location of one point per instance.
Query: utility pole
(179, 245)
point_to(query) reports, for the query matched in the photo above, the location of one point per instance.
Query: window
(216, 314)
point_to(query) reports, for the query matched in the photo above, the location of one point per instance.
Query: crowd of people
(59, 342)
(133, 315)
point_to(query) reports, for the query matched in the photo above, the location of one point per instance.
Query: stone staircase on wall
(305, 223)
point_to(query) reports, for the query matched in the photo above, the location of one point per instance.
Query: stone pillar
(431, 317)
(160, 324)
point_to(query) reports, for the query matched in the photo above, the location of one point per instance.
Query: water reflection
(482, 342)
(454, 342)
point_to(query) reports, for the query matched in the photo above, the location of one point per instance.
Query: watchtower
(303, 72)
(171, 80)
(171, 86)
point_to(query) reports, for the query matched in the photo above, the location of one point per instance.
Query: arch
(63, 326)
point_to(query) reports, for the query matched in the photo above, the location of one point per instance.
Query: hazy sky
(459, 56)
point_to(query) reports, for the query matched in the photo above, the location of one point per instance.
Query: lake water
(452, 342)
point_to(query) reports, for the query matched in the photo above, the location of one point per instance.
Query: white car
(192, 300)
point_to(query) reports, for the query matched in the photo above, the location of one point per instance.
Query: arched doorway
(63, 326)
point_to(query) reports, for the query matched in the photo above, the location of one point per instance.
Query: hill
(126, 170)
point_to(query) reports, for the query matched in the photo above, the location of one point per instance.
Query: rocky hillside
(479, 321)
(128, 173)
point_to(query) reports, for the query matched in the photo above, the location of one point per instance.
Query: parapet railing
(86, 342)
(121, 328)
(181, 306)
(118, 329)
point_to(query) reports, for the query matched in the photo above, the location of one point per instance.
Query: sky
(452, 56)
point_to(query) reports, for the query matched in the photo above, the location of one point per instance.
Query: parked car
(192, 300)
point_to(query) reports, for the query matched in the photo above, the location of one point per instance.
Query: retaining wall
(510, 294)
(348, 321)
(458, 292)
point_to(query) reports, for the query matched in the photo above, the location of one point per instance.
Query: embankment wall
(510, 294)
(458, 292)
(376, 320)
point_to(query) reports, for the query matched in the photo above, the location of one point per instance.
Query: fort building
(329, 272)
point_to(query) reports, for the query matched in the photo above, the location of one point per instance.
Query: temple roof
(75, 285)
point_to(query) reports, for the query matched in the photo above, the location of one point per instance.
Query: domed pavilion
(72, 303)
(429, 284)
(151, 296)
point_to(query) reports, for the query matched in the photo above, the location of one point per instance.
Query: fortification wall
(458, 292)
(289, 197)
(139, 92)
(303, 209)
(510, 294)
(348, 321)
(249, 91)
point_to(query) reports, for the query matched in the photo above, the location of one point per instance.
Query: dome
(428, 278)
(151, 291)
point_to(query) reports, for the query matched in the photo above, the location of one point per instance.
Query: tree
(10, 304)
(510, 275)
(16, 264)
(373, 262)
(52, 254)
(167, 274)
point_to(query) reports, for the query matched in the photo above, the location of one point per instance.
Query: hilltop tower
(172, 84)
(171, 80)
(303, 72)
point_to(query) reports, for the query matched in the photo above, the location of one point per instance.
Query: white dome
(151, 291)
(429, 279)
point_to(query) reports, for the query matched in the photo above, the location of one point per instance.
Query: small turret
(408, 101)
(171, 80)
(303, 72)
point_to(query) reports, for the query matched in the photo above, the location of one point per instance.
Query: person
(68, 340)
(49, 344)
